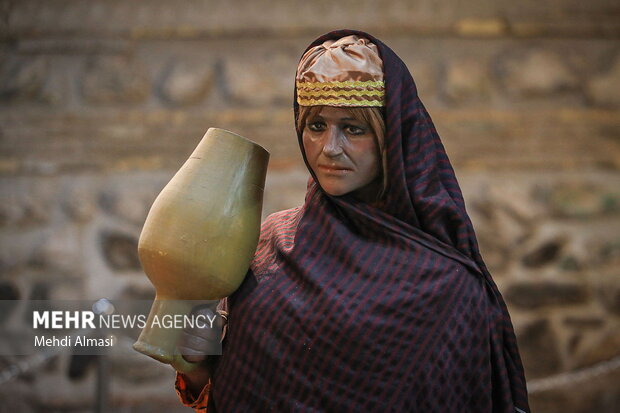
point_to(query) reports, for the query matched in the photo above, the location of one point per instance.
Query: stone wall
(102, 101)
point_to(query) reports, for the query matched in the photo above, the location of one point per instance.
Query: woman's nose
(333, 143)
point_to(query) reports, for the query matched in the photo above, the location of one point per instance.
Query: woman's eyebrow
(351, 119)
(345, 119)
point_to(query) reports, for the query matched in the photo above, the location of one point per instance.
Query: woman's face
(343, 153)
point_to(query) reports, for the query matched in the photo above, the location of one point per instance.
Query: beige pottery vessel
(201, 234)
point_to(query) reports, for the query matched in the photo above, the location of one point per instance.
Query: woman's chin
(334, 188)
(335, 192)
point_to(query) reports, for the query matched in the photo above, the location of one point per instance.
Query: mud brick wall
(102, 101)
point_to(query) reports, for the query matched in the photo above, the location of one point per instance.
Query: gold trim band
(345, 93)
(339, 102)
(364, 93)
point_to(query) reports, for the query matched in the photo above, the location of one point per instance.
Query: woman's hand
(197, 342)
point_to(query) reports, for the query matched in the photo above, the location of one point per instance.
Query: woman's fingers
(197, 358)
(210, 327)
(203, 338)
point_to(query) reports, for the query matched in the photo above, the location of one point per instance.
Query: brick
(114, 80)
(187, 82)
(531, 295)
(603, 89)
(539, 347)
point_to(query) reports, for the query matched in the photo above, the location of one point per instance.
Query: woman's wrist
(197, 379)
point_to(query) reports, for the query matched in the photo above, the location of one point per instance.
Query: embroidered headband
(347, 72)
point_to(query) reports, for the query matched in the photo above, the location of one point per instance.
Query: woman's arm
(194, 345)
(196, 398)
(196, 381)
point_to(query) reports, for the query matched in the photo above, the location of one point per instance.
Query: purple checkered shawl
(351, 308)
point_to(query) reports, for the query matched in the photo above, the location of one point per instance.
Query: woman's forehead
(338, 113)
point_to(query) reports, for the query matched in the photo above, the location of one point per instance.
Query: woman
(372, 296)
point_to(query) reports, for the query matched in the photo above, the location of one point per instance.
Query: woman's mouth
(334, 169)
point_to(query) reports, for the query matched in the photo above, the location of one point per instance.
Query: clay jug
(201, 234)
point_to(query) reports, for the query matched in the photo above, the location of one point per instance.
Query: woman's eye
(354, 130)
(316, 126)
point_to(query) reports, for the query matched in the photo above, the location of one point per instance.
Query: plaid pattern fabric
(352, 308)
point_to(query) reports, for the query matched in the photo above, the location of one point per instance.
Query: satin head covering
(346, 72)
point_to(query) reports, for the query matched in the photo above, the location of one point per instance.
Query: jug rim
(239, 136)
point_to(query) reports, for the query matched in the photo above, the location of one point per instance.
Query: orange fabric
(199, 404)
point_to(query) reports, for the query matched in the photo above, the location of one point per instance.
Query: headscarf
(350, 306)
